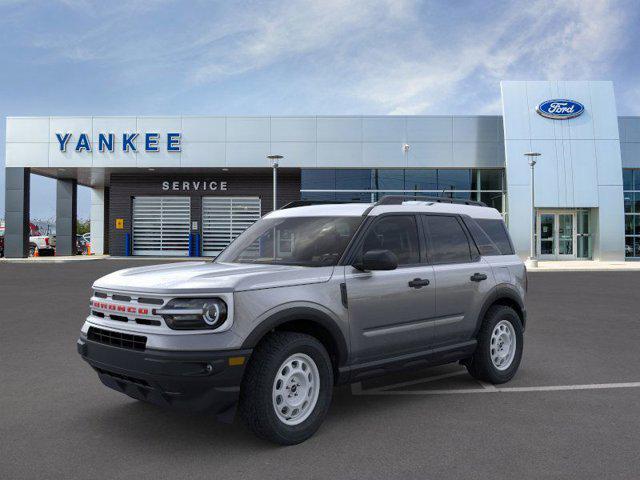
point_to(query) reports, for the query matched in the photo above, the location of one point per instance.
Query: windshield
(303, 241)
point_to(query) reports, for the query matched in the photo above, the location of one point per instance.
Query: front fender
(293, 311)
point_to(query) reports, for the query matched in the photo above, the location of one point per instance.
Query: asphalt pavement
(572, 411)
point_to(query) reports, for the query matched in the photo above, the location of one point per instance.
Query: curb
(91, 258)
(38, 260)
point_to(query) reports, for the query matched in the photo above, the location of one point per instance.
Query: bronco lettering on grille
(119, 308)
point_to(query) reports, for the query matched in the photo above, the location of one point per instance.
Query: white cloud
(285, 30)
(391, 56)
(540, 39)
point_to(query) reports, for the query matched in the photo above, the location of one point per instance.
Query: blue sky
(77, 57)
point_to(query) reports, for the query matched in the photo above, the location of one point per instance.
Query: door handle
(418, 283)
(478, 277)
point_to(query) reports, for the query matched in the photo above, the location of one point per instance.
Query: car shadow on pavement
(142, 423)
(134, 422)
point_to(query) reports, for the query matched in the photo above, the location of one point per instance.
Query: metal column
(17, 189)
(66, 216)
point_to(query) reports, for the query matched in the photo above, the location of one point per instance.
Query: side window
(497, 232)
(397, 233)
(484, 243)
(448, 242)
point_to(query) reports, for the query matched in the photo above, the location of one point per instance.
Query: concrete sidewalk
(584, 265)
(87, 258)
(54, 259)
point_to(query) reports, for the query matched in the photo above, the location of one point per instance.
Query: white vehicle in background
(46, 244)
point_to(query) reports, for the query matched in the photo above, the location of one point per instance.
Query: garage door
(224, 218)
(161, 225)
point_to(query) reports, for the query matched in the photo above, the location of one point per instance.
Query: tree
(84, 226)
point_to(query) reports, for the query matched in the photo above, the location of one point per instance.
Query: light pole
(274, 163)
(532, 261)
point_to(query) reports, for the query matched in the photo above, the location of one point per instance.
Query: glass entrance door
(556, 235)
(547, 242)
(566, 234)
(583, 238)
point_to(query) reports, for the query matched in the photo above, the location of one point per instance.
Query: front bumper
(193, 381)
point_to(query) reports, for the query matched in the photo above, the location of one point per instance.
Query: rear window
(497, 232)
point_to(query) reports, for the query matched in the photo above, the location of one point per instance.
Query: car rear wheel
(500, 342)
(287, 388)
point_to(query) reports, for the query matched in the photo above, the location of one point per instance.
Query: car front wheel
(287, 388)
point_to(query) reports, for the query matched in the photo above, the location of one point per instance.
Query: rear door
(462, 278)
(390, 312)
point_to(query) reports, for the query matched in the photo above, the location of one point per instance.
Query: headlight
(194, 313)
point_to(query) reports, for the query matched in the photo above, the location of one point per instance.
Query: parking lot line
(486, 385)
(387, 390)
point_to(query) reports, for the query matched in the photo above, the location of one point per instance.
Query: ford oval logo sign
(560, 109)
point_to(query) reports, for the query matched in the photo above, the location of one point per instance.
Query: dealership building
(188, 185)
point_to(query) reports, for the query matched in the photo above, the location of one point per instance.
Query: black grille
(117, 339)
(121, 298)
(151, 301)
(146, 321)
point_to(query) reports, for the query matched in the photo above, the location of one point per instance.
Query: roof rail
(307, 203)
(399, 199)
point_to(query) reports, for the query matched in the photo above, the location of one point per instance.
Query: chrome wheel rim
(503, 345)
(296, 389)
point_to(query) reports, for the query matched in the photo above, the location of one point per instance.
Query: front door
(556, 235)
(389, 313)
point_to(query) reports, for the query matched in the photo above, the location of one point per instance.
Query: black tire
(480, 365)
(32, 249)
(256, 406)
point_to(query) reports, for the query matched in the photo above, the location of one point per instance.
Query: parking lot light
(274, 163)
(532, 261)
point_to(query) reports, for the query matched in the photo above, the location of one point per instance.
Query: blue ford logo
(560, 109)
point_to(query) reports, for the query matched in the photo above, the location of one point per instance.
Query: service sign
(194, 186)
(560, 109)
(149, 141)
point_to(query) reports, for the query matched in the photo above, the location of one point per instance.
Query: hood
(208, 277)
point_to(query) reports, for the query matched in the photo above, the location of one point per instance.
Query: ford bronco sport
(309, 297)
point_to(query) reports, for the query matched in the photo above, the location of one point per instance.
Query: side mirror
(378, 260)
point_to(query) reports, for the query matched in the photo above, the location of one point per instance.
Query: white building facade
(188, 185)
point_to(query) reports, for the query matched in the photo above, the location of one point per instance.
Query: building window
(631, 182)
(455, 179)
(368, 185)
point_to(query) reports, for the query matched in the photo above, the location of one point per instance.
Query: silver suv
(310, 297)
